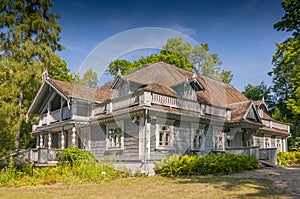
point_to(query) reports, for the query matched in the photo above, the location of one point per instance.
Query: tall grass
(75, 166)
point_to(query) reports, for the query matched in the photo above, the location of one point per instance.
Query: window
(124, 89)
(267, 143)
(189, 92)
(164, 136)
(82, 108)
(114, 138)
(278, 145)
(198, 138)
(219, 143)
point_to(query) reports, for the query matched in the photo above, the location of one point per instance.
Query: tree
(90, 79)
(258, 92)
(120, 65)
(176, 46)
(28, 41)
(203, 62)
(182, 55)
(126, 67)
(286, 71)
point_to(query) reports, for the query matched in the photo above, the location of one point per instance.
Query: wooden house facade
(152, 113)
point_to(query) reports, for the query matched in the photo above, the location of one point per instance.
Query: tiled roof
(239, 110)
(160, 72)
(166, 75)
(74, 90)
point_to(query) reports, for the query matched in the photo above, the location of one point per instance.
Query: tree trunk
(17, 138)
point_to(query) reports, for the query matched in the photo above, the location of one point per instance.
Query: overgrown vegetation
(75, 167)
(211, 164)
(288, 158)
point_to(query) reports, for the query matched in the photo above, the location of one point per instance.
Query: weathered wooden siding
(182, 137)
(131, 140)
(209, 141)
(98, 140)
(237, 140)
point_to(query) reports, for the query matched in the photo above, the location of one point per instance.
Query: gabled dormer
(252, 114)
(124, 87)
(189, 88)
(51, 103)
(121, 85)
(261, 106)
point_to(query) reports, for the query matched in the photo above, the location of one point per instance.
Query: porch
(268, 154)
(37, 157)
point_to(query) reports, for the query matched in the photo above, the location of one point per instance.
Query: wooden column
(73, 136)
(62, 141)
(37, 141)
(49, 140)
(41, 140)
(61, 108)
(48, 112)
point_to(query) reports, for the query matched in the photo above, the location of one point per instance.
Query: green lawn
(154, 187)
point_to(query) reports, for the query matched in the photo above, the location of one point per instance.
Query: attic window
(191, 87)
(195, 84)
(189, 92)
(124, 89)
(251, 115)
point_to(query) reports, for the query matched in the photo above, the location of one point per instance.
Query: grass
(155, 187)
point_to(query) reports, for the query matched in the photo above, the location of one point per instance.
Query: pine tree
(28, 41)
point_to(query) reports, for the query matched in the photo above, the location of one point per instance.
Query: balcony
(55, 116)
(272, 124)
(150, 98)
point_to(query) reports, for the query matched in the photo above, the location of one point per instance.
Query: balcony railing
(56, 115)
(277, 125)
(187, 104)
(148, 99)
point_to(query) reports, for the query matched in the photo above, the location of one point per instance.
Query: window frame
(267, 143)
(124, 89)
(202, 130)
(120, 134)
(160, 130)
(218, 139)
(189, 92)
(81, 105)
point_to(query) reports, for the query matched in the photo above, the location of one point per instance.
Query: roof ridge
(236, 103)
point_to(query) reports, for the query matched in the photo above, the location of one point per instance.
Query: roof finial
(45, 74)
(194, 74)
(119, 72)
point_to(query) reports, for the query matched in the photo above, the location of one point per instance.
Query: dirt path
(285, 180)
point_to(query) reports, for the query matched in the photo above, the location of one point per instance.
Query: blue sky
(240, 31)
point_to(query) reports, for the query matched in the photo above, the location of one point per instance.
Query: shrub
(75, 155)
(288, 158)
(76, 166)
(9, 175)
(211, 164)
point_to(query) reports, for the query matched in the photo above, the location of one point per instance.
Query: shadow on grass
(235, 186)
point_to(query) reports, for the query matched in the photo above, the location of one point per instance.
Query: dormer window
(191, 87)
(189, 92)
(124, 89)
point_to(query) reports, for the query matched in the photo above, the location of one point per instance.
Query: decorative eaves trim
(255, 112)
(42, 88)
